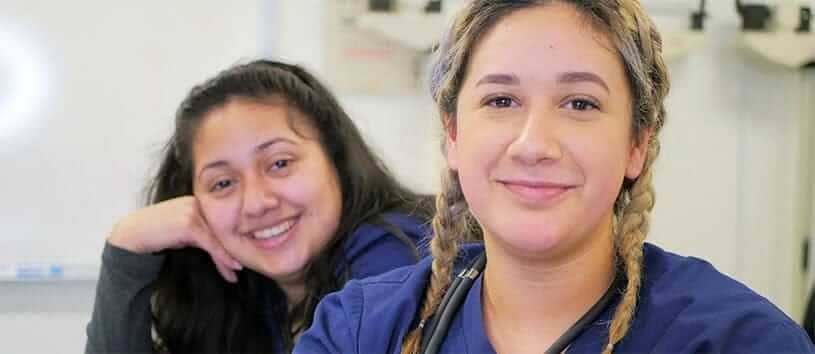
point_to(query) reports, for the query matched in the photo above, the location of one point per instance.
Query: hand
(172, 224)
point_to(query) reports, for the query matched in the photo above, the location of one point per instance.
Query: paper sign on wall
(363, 61)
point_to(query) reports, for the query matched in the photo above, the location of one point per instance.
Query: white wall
(729, 178)
(115, 74)
(726, 180)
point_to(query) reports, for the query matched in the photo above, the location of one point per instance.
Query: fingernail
(236, 265)
(230, 277)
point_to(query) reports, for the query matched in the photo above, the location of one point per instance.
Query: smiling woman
(266, 181)
(552, 111)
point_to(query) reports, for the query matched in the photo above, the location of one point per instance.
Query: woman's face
(542, 134)
(266, 187)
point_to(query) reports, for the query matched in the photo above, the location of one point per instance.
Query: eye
(279, 164)
(221, 185)
(581, 104)
(500, 102)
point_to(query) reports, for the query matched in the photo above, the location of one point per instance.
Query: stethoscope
(435, 328)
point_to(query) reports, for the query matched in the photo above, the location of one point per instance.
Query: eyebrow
(502, 79)
(581, 76)
(564, 78)
(262, 146)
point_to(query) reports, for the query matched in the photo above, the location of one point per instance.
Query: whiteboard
(108, 80)
(88, 90)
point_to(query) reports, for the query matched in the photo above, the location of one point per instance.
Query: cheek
(479, 153)
(313, 185)
(316, 189)
(319, 196)
(296, 191)
(219, 214)
(329, 195)
(481, 143)
(603, 163)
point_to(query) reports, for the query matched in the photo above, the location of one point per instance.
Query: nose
(538, 139)
(259, 196)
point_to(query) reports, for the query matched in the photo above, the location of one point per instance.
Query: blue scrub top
(370, 250)
(373, 249)
(685, 306)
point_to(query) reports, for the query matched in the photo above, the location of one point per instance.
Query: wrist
(119, 237)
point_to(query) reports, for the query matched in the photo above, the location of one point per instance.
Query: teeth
(273, 231)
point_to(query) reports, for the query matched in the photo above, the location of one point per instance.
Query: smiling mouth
(274, 231)
(536, 193)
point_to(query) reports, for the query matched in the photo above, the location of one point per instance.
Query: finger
(228, 274)
(224, 263)
(207, 241)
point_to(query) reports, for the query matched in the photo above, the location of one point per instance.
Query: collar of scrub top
(434, 329)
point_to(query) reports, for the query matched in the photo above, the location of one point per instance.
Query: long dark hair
(193, 308)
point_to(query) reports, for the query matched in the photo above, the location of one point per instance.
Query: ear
(638, 154)
(450, 141)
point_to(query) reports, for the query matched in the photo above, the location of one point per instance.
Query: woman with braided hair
(552, 112)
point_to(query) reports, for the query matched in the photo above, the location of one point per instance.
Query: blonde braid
(640, 45)
(634, 224)
(450, 224)
(642, 51)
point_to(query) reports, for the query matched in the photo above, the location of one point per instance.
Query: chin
(532, 245)
(283, 272)
(531, 239)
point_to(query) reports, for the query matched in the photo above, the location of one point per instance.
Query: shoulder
(374, 313)
(386, 225)
(687, 277)
(390, 241)
(691, 284)
(685, 302)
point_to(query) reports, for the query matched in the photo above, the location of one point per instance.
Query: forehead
(545, 40)
(242, 122)
(239, 115)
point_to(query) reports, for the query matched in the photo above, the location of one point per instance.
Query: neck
(295, 292)
(529, 303)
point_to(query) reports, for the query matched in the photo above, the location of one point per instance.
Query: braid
(633, 227)
(450, 224)
(642, 51)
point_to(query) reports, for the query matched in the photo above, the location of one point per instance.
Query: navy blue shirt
(372, 249)
(685, 306)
